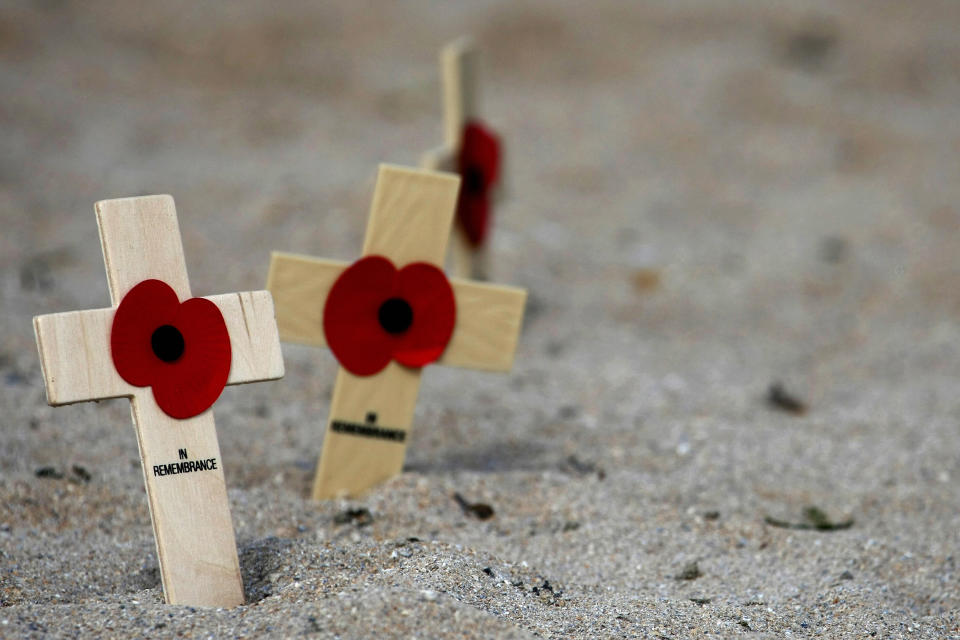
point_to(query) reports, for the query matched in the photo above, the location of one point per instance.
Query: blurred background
(705, 198)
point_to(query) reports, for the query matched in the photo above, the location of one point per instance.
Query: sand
(704, 198)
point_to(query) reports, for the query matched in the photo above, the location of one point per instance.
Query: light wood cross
(188, 502)
(459, 88)
(370, 416)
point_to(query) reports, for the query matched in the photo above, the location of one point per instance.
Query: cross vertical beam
(371, 416)
(459, 93)
(458, 68)
(188, 503)
(141, 239)
(410, 219)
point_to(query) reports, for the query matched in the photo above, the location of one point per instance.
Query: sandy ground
(704, 198)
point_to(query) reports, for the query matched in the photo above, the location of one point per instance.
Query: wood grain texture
(190, 511)
(466, 261)
(300, 285)
(75, 357)
(410, 215)
(77, 364)
(141, 240)
(255, 353)
(410, 219)
(489, 319)
(371, 416)
(351, 464)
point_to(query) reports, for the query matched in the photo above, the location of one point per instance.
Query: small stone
(690, 571)
(479, 510)
(361, 517)
(779, 398)
(81, 474)
(48, 472)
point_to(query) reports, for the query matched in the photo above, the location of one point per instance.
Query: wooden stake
(459, 89)
(370, 416)
(190, 511)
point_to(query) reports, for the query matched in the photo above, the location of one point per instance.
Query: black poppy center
(395, 315)
(167, 343)
(473, 180)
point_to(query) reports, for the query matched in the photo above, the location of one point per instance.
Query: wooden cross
(181, 458)
(459, 88)
(370, 416)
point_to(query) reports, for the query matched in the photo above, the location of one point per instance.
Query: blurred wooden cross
(171, 355)
(470, 150)
(374, 317)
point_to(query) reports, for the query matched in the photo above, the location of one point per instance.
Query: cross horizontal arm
(75, 357)
(254, 344)
(300, 286)
(78, 366)
(439, 159)
(489, 318)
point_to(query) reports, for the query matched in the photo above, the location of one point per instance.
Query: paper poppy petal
(191, 384)
(479, 166)
(350, 316)
(428, 292)
(480, 149)
(473, 214)
(150, 304)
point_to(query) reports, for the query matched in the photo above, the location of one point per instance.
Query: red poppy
(180, 350)
(376, 313)
(479, 168)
